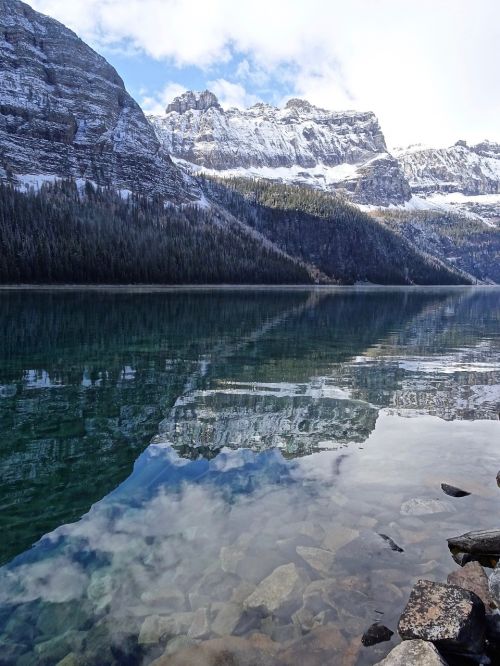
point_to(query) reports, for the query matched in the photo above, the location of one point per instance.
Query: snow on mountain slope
(64, 112)
(299, 143)
(461, 178)
(471, 170)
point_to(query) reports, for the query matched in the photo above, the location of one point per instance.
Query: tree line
(63, 233)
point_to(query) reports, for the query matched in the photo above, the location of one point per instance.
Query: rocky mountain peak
(299, 104)
(196, 101)
(299, 143)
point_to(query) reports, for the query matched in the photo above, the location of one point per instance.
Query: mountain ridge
(300, 143)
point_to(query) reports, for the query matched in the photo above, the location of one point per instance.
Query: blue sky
(428, 69)
(154, 82)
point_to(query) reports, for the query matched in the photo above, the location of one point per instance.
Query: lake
(183, 465)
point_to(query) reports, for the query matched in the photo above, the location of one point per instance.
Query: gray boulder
(447, 615)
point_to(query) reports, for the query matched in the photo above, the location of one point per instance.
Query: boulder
(424, 506)
(480, 542)
(413, 653)
(453, 491)
(280, 591)
(377, 633)
(447, 615)
(472, 577)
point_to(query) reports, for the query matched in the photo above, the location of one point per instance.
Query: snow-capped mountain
(471, 170)
(463, 178)
(64, 112)
(300, 143)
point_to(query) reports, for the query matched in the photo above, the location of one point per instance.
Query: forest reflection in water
(288, 429)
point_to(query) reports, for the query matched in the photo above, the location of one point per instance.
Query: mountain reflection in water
(286, 427)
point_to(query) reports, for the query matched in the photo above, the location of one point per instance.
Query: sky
(429, 69)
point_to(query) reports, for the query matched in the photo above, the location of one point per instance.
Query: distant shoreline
(235, 287)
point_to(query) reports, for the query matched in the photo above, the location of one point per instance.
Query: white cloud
(428, 69)
(157, 102)
(232, 94)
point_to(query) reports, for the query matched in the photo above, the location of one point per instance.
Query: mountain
(64, 112)
(462, 178)
(471, 170)
(300, 144)
(102, 179)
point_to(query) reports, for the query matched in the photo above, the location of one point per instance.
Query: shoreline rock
(447, 615)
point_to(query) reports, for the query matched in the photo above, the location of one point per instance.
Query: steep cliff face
(297, 144)
(470, 170)
(64, 112)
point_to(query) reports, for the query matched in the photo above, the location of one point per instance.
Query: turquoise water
(163, 452)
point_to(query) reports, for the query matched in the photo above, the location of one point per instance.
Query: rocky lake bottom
(236, 477)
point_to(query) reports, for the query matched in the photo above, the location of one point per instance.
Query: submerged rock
(56, 648)
(424, 506)
(447, 615)
(339, 537)
(227, 619)
(157, 628)
(377, 633)
(320, 594)
(472, 577)
(324, 645)
(317, 558)
(230, 558)
(179, 643)
(228, 651)
(413, 653)
(70, 659)
(200, 626)
(278, 592)
(453, 491)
